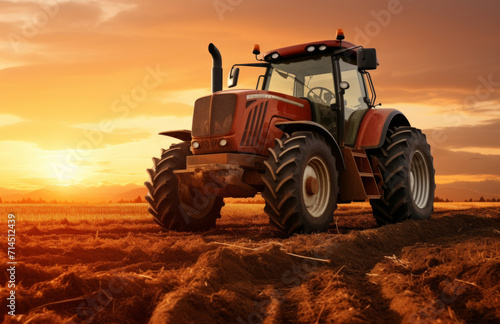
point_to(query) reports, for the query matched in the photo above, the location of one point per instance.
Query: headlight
(195, 145)
(223, 142)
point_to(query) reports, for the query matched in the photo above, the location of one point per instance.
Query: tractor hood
(239, 120)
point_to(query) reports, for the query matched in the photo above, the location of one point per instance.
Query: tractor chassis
(223, 174)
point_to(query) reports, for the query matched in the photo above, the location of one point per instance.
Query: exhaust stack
(216, 68)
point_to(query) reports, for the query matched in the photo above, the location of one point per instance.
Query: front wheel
(406, 164)
(174, 205)
(301, 184)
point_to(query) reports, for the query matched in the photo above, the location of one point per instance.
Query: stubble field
(112, 264)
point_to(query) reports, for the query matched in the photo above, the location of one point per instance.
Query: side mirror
(367, 59)
(232, 79)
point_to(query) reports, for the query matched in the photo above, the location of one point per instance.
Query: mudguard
(310, 126)
(375, 124)
(184, 134)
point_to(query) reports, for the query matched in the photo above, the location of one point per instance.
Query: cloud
(62, 13)
(84, 57)
(56, 136)
(483, 135)
(152, 125)
(447, 162)
(6, 119)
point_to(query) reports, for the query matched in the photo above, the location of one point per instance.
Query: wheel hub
(316, 186)
(312, 186)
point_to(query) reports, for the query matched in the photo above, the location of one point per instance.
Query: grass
(133, 211)
(75, 212)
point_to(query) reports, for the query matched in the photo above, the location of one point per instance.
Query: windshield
(311, 78)
(308, 77)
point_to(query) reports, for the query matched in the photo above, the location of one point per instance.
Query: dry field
(112, 264)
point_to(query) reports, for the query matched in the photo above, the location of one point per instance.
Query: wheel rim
(419, 180)
(317, 200)
(197, 207)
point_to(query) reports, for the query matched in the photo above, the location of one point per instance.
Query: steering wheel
(312, 95)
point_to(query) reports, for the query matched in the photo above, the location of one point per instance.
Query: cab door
(355, 99)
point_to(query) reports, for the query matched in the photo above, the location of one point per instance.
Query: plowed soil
(112, 264)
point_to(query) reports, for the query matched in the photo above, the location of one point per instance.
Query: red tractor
(309, 137)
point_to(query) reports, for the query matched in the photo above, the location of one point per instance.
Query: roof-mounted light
(256, 49)
(322, 47)
(340, 34)
(310, 48)
(275, 55)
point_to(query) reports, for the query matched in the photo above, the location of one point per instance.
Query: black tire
(406, 165)
(291, 203)
(195, 211)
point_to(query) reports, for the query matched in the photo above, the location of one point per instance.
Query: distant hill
(459, 191)
(96, 194)
(457, 194)
(131, 194)
(9, 192)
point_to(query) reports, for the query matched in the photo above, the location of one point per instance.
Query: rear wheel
(301, 184)
(407, 169)
(176, 206)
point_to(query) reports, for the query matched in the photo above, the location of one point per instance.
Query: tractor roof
(305, 49)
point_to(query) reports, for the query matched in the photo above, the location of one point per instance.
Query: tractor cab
(328, 76)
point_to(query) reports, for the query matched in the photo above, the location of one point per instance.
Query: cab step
(358, 181)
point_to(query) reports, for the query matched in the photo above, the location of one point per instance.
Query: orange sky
(86, 85)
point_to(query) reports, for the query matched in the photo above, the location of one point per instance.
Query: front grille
(253, 127)
(201, 116)
(222, 114)
(213, 115)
